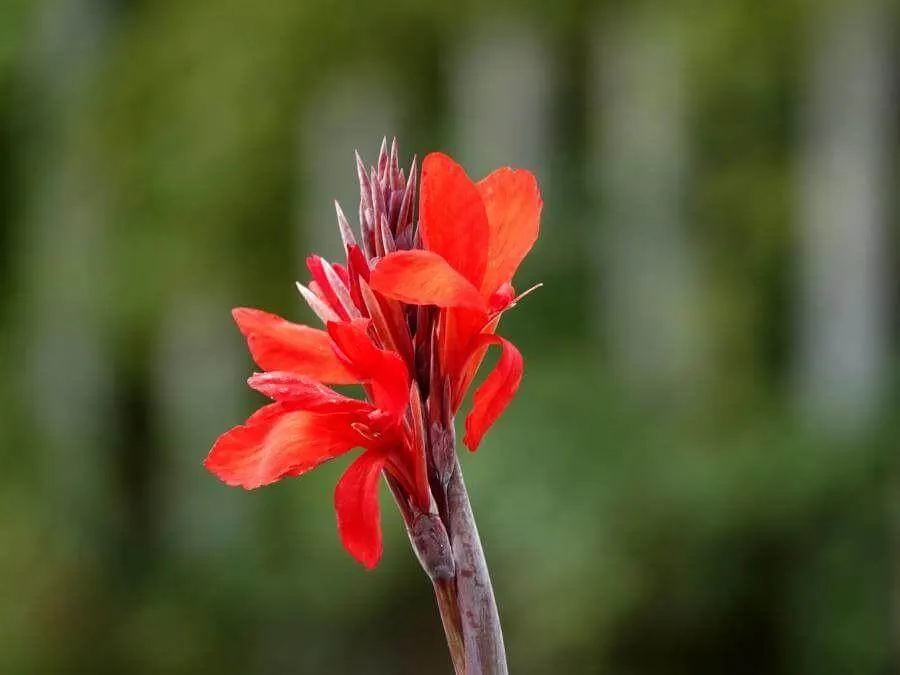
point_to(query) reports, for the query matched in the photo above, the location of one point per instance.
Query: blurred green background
(699, 472)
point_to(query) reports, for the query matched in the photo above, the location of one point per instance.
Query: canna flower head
(474, 238)
(408, 317)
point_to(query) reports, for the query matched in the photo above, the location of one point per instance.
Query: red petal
(495, 393)
(303, 393)
(319, 307)
(459, 330)
(417, 447)
(277, 344)
(334, 288)
(266, 414)
(388, 321)
(356, 504)
(316, 267)
(384, 370)
(453, 221)
(513, 203)
(357, 270)
(424, 278)
(356, 261)
(342, 273)
(273, 444)
(470, 335)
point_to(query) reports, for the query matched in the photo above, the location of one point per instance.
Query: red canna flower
(475, 236)
(409, 317)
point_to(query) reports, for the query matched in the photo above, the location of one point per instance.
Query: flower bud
(432, 546)
(443, 452)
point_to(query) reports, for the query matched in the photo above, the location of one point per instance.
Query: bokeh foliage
(633, 534)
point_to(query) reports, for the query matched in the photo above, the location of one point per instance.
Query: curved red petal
(303, 393)
(466, 331)
(452, 217)
(512, 200)
(383, 369)
(424, 278)
(495, 392)
(278, 344)
(356, 505)
(273, 444)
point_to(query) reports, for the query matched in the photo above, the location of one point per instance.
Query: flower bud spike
(396, 173)
(386, 322)
(340, 290)
(403, 241)
(357, 263)
(379, 211)
(377, 315)
(383, 163)
(342, 272)
(344, 226)
(379, 245)
(404, 218)
(394, 201)
(387, 239)
(378, 204)
(324, 286)
(365, 208)
(317, 305)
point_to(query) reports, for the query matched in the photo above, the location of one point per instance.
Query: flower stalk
(482, 634)
(452, 556)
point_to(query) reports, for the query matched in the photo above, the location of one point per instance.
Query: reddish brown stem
(485, 653)
(449, 550)
(445, 593)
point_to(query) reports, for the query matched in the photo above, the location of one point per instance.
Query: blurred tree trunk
(501, 89)
(67, 357)
(848, 138)
(646, 269)
(63, 250)
(198, 367)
